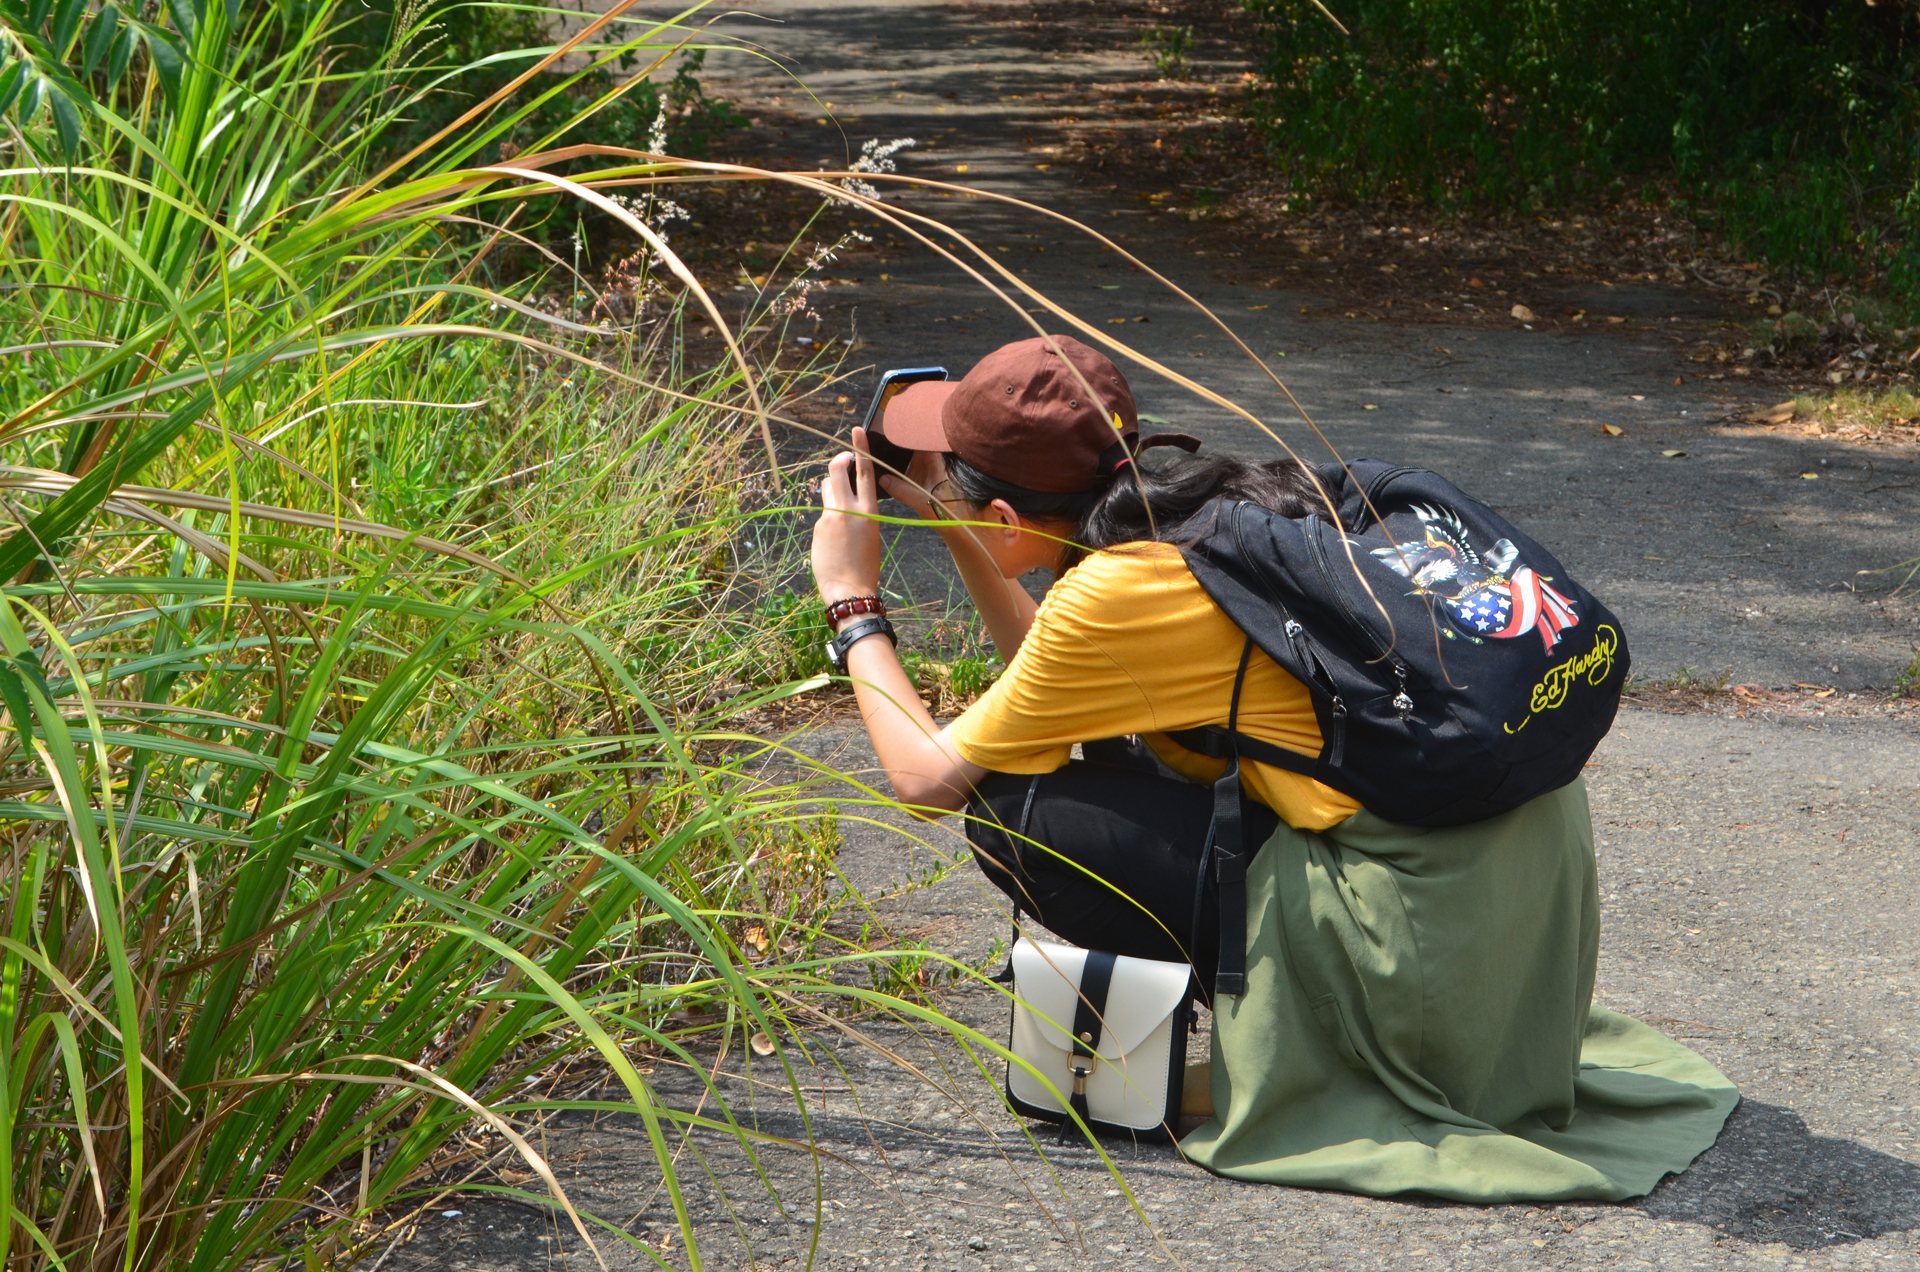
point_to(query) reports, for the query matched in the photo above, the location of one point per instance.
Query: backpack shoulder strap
(1229, 852)
(1221, 744)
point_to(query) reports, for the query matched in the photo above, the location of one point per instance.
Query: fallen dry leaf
(1638, 397)
(1522, 313)
(1616, 320)
(1809, 476)
(1674, 454)
(1113, 322)
(1612, 430)
(1369, 407)
(1779, 413)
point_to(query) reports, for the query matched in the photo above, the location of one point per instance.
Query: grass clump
(372, 648)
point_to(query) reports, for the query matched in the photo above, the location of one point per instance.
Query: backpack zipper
(1336, 746)
(1402, 701)
(1326, 569)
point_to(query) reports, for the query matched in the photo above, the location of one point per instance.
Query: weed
(1907, 683)
(1686, 678)
(1171, 48)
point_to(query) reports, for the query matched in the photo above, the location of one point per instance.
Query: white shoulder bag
(1109, 1032)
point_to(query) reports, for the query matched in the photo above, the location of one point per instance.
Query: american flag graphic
(1525, 603)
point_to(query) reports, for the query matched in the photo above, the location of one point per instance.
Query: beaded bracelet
(855, 605)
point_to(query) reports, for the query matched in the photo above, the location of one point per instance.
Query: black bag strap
(1194, 987)
(1229, 852)
(1221, 744)
(1096, 977)
(1005, 975)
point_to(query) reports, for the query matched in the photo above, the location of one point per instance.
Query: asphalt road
(1757, 869)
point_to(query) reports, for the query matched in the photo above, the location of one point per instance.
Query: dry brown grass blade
(680, 271)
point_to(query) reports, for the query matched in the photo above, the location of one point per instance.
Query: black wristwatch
(853, 632)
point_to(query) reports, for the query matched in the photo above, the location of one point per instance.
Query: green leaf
(66, 24)
(186, 17)
(30, 103)
(14, 695)
(100, 36)
(121, 57)
(168, 63)
(10, 81)
(66, 121)
(37, 14)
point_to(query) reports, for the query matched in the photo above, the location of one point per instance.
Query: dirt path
(1756, 862)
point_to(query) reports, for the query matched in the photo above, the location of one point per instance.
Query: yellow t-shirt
(1128, 642)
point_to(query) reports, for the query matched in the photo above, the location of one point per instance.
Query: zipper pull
(1337, 749)
(1401, 702)
(1293, 628)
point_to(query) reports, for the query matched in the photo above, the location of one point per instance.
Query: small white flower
(875, 156)
(657, 135)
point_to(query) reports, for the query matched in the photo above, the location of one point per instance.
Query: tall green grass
(370, 651)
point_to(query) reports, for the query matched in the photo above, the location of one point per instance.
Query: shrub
(1791, 122)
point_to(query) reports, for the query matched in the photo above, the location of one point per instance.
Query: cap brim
(912, 418)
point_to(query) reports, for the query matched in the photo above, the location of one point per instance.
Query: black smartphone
(894, 457)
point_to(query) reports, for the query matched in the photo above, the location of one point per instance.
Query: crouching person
(1332, 722)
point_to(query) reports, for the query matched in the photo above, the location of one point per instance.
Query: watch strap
(854, 633)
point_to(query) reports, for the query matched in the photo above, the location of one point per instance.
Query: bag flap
(1144, 992)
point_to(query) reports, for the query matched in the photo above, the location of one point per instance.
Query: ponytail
(1150, 500)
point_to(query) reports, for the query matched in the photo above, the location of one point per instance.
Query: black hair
(1160, 497)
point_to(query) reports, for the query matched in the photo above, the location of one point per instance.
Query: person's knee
(993, 822)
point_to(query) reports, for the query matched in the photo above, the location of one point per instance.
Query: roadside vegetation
(1787, 127)
(383, 603)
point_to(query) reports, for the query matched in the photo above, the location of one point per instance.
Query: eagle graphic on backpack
(1478, 594)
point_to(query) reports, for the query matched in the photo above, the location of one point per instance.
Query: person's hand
(927, 473)
(846, 538)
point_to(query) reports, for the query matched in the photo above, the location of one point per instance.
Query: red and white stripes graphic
(1537, 607)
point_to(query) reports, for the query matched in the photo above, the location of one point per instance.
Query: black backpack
(1456, 671)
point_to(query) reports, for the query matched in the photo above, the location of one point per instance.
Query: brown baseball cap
(1024, 416)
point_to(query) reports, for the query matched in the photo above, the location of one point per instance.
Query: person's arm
(1002, 603)
(921, 763)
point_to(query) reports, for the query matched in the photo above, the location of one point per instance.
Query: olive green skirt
(1418, 1018)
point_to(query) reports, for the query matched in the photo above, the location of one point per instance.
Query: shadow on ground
(1770, 1179)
